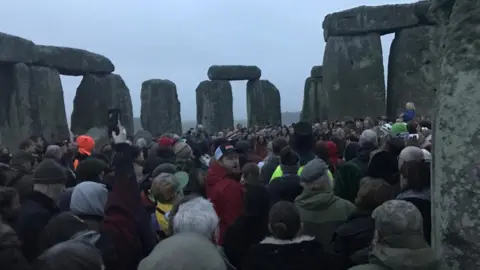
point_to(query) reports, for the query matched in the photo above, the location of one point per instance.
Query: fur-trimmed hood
(296, 240)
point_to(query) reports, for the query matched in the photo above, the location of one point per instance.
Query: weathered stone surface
(316, 72)
(15, 49)
(71, 61)
(95, 95)
(31, 103)
(373, 19)
(234, 73)
(315, 101)
(263, 104)
(409, 76)
(160, 111)
(456, 138)
(100, 135)
(215, 105)
(353, 76)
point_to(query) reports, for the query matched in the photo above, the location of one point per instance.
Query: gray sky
(179, 40)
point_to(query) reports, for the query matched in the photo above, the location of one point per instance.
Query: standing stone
(316, 72)
(215, 105)
(234, 73)
(160, 111)
(456, 139)
(95, 95)
(31, 103)
(409, 78)
(315, 101)
(353, 76)
(263, 104)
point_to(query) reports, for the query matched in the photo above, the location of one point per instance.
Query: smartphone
(114, 116)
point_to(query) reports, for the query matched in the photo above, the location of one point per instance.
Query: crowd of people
(351, 194)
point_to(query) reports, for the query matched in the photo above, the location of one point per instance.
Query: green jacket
(321, 213)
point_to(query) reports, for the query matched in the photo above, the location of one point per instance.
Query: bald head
(54, 152)
(410, 153)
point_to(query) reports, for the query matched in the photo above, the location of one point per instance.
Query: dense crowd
(351, 194)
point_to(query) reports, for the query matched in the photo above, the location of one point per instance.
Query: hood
(332, 151)
(315, 200)
(89, 198)
(422, 195)
(296, 240)
(86, 144)
(363, 152)
(404, 258)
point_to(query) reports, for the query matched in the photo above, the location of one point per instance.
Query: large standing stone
(71, 61)
(15, 49)
(95, 95)
(215, 105)
(456, 139)
(353, 76)
(315, 101)
(409, 78)
(31, 103)
(234, 73)
(373, 19)
(160, 111)
(263, 104)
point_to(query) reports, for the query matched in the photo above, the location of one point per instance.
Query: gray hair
(368, 136)
(53, 151)
(195, 216)
(410, 153)
(397, 217)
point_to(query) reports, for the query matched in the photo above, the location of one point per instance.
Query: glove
(122, 135)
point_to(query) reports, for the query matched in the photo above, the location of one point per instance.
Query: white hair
(368, 136)
(195, 216)
(141, 143)
(53, 151)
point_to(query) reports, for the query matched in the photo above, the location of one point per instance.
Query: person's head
(314, 176)
(90, 169)
(284, 221)
(38, 141)
(395, 146)
(61, 228)
(261, 139)
(251, 174)
(372, 193)
(413, 127)
(22, 159)
(358, 123)
(285, 131)
(72, 255)
(49, 178)
(54, 152)
(289, 161)
(9, 204)
(410, 106)
(194, 214)
(351, 151)
(27, 146)
(395, 221)
(227, 156)
(414, 170)
(325, 125)
(182, 151)
(368, 123)
(277, 145)
(89, 198)
(85, 144)
(368, 138)
(168, 187)
(302, 139)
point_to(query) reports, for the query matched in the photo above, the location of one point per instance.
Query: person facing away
(286, 187)
(272, 162)
(398, 241)
(222, 189)
(287, 248)
(352, 239)
(320, 210)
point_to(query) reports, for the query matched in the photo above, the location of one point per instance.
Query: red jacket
(226, 194)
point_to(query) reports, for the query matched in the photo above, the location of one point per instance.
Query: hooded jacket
(321, 212)
(226, 194)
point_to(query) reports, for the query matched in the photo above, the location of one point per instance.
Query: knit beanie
(288, 157)
(182, 150)
(398, 128)
(49, 172)
(90, 169)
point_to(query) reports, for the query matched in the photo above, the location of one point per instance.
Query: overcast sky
(179, 39)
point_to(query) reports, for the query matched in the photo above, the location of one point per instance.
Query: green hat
(398, 128)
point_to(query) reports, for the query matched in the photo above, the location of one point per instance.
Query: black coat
(284, 188)
(268, 168)
(355, 236)
(300, 253)
(33, 216)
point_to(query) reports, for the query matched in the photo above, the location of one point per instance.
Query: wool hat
(89, 169)
(398, 128)
(49, 172)
(313, 170)
(288, 157)
(182, 150)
